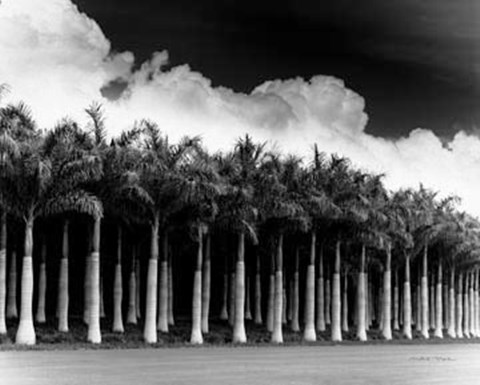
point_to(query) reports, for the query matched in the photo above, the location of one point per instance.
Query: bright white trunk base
(150, 328)
(63, 296)
(309, 334)
(26, 333)
(42, 288)
(162, 322)
(117, 300)
(239, 335)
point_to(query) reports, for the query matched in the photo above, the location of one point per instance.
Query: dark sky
(417, 63)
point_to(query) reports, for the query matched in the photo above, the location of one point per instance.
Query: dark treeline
(141, 230)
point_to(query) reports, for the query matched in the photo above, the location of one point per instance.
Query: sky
(392, 85)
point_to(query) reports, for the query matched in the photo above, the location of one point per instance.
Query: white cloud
(57, 59)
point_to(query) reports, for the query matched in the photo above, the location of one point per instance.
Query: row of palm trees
(323, 231)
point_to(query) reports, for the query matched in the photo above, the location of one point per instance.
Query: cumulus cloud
(57, 60)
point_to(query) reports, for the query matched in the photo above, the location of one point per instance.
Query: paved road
(393, 364)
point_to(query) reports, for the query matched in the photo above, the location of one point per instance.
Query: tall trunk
(206, 286)
(320, 326)
(396, 302)
(295, 296)
(171, 318)
(150, 329)
(271, 294)
(87, 282)
(94, 334)
(309, 332)
(424, 288)
(3, 271)
(138, 295)
(451, 305)
(418, 303)
(445, 305)
(459, 309)
(42, 284)
(361, 305)
(290, 298)
(224, 309)
(196, 334)
(132, 291)
(328, 297)
(162, 321)
(258, 293)
(118, 287)
(12, 311)
(407, 303)
(102, 302)
(239, 335)
(248, 307)
(475, 304)
(466, 308)
(26, 332)
(231, 296)
(438, 305)
(345, 304)
(432, 303)
(63, 283)
(370, 300)
(284, 300)
(277, 335)
(471, 307)
(387, 296)
(336, 300)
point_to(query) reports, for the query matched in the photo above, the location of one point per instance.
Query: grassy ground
(48, 338)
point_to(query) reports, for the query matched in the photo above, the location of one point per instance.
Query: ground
(370, 364)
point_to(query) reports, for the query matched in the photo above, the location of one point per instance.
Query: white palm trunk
(239, 335)
(271, 300)
(87, 285)
(320, 301)
(248, 308)
(471, 321)
(231, 299)
(361, 300)
(345, 304)
(132, 296)
(475, 304)
(138, 293)
(445, 305)
(277, 333)
(162, 321)
(94, 335)
(418, 308)
(432, 309)
(42, 285)
(336, 299)
(466, 309)
(258, 294)
(396, 303)
(309, 332)
(295, 301)
(150, 327)
(206, 286)
(438, 304)
(12, 310)
(26, 333)
(196, 336)
(424, 294)
(284, 301)
(3, 271)
(407, 303)
(224, 308)
(171, 318)
(328, 299)
(459, 307)
(118, 287)
(387, 297)
(62, 304)
(451, 305)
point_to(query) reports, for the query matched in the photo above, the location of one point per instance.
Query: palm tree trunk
(459, 310)
(150, 329)
(387, 296)
(87, 283)
(418, 309)
(424, 288)
(132, 292)
(396, 302)
(284, 300)
(451, 305)
(336, 300)
(345, 304)
(239, 335)
(438, 300)
(138, 295)
(231, 295)
(277, 335)
(328, 298)
(162, 321)
(295, 296)
(118, 287)
(102, 302)
(171, 318)
(94, 334)
(206, 286)
(320, 325)
(42, 284)
(445, 305)
(258, 293)
(368, 300)
(471, 307)
(248, 308)
(407, 303)
(309, 332)
(361, 303)
(271, 295)
(224, 309)
(196, 334)
(63, 283)
(466, 309)
(475, 303)
(12, 311)
(26, 332)
(432, 308)
(3, 271)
